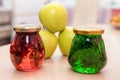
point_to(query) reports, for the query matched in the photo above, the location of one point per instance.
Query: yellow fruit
(53, 16)
(49, 41)
(65, 39)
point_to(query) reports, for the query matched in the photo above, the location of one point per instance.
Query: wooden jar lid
(26, 28)
(88, 30)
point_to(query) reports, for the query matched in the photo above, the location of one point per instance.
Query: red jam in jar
(26, 49)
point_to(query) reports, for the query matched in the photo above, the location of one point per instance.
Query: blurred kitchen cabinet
(5, 21)
(5, 25)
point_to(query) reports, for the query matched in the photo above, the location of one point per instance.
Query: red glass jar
(26, 49)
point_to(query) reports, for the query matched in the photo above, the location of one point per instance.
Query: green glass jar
(87, 54)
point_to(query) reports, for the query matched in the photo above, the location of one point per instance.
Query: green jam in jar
(87, 54)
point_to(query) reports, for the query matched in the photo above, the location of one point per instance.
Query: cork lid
(26, 28)
(88, 30)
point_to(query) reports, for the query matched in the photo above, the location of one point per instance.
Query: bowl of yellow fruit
(115, 21)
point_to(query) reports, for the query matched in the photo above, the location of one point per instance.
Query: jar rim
(88, 30)
(26, 28)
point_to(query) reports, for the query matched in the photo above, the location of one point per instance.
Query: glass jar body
(27, 51)
(87, 54)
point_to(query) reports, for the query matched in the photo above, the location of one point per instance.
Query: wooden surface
(57, 67)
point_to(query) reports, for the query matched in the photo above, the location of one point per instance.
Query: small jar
(87, 54)
(26, 49)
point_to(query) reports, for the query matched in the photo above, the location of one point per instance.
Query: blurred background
(80, 12)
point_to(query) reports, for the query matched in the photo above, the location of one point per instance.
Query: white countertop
(57, 67)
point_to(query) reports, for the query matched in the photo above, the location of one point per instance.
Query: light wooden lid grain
(26, 28)
(88, 30)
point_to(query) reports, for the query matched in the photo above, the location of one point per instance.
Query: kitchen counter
(57, 67)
